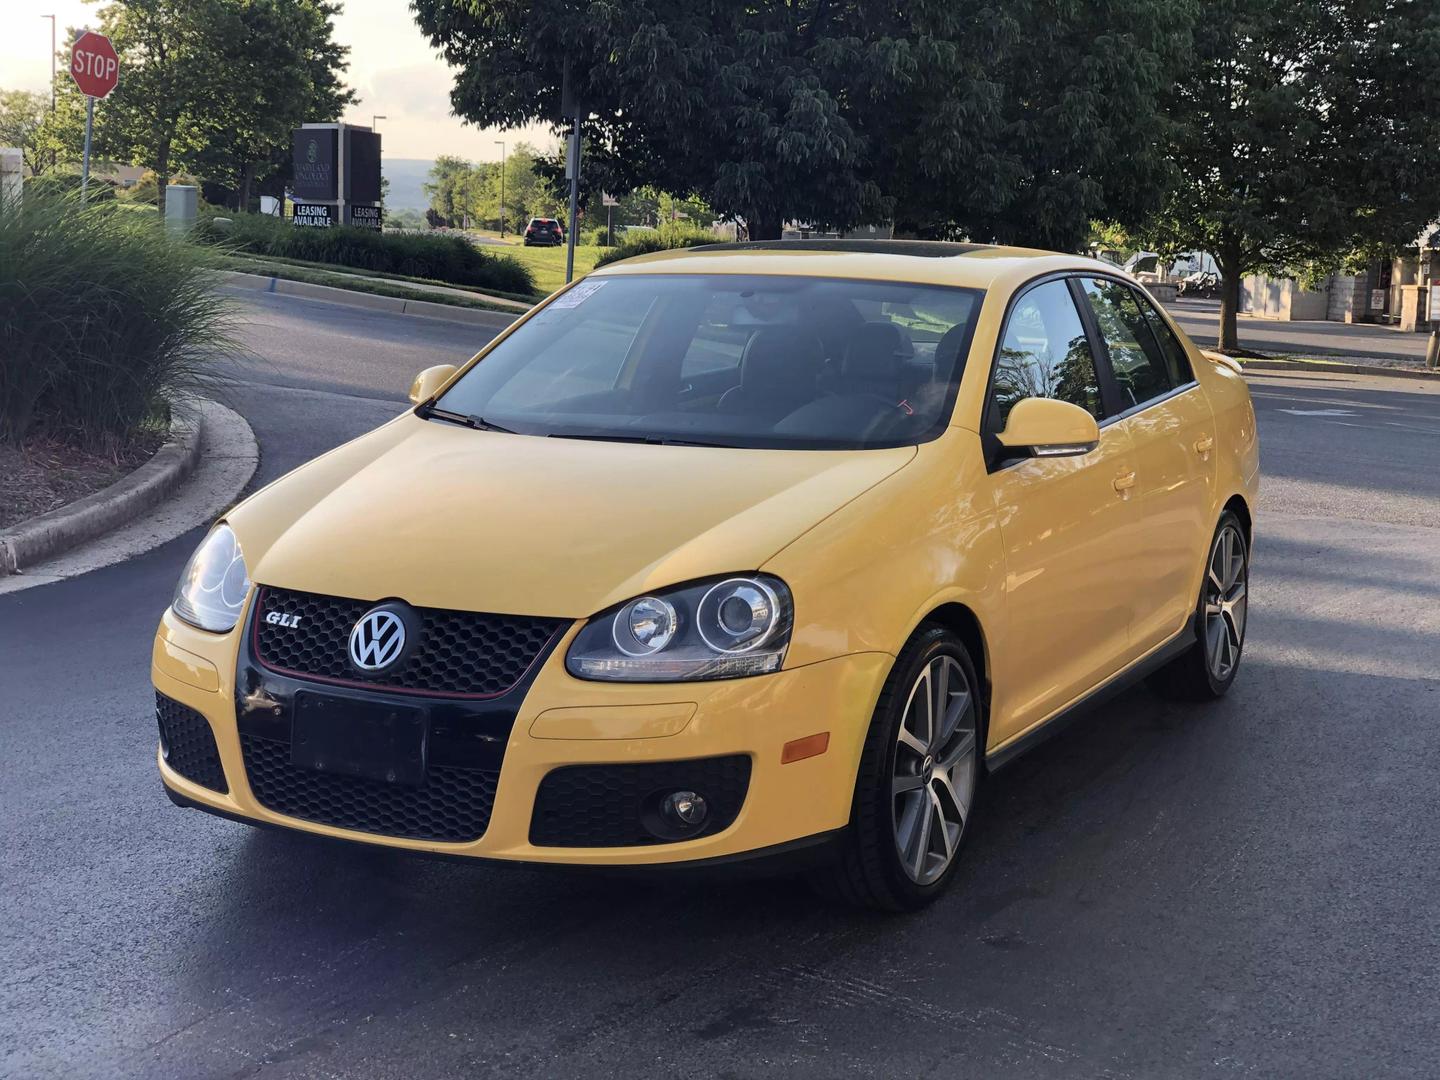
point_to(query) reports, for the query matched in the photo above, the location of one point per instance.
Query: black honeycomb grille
(607, 805)
(188, 744)
(460, 652)
(454, 804)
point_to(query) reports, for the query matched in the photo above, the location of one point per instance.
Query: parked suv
(544, 231)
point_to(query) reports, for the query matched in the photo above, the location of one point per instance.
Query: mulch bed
(42, 474)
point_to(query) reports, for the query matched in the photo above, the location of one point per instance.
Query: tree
(446, 188)
(282, 69)
(22, 124)
(996, 118)
(1302, 131)
(214, 86)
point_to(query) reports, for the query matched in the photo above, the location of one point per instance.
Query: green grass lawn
(548, 263)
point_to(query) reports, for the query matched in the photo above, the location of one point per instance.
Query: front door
(1068, 524)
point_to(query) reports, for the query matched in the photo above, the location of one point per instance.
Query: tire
(892, 858)
(1207, 669)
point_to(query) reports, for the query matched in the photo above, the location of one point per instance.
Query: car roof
(930, 262)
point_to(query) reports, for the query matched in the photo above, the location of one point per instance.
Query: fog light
(684, 809)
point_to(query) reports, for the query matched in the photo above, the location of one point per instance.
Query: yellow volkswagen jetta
(759, 550)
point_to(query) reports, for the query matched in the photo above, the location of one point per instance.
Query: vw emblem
(377, 640)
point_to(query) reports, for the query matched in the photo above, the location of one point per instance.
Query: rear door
(1168, 420)
(1069, 524)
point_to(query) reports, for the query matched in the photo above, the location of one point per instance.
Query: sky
(393, 72)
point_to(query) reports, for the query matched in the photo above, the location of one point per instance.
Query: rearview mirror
(1050, 428)
(429, 381)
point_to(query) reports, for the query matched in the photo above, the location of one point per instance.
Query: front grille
(466, 653)
(188, 744)
(607, 805)
(454, 804)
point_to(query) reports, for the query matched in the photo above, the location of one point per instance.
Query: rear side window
(1141, 369)
(1045, 353)
(1177, 362)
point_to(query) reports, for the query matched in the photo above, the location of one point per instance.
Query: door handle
(1124, 482)
(1204, 444)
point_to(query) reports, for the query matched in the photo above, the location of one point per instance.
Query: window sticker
(578, 295)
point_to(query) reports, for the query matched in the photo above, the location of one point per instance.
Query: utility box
(12, 173)
(182, 201)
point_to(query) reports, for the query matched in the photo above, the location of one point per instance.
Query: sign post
(571, 109)
(95, 67)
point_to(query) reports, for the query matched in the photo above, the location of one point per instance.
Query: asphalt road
(1248, 888)
(1201, 320)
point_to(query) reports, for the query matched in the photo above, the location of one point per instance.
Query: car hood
(445, 516)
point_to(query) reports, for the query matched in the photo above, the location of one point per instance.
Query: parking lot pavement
(1201, 318)
(1162, 891)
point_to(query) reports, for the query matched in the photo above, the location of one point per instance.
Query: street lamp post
(375, 119)
(502, 187)
(52, 60)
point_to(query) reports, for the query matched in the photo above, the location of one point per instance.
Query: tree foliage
(985, 118)
(212, 86)
(1302, 131)
(461, 191)
(22, 125)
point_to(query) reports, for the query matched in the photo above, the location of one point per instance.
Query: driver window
(1045, 353)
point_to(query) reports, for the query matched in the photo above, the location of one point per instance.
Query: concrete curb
(394, 305)
(48, 535)
(1343, 369)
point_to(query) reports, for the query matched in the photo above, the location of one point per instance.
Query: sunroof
(930, 249)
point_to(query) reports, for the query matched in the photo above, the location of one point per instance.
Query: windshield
(729, 360)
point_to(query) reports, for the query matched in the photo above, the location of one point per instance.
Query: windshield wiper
(650, 440)
(477, 423)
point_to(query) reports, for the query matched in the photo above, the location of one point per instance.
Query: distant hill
(406, 175)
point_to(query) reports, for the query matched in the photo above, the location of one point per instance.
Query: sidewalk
(1200, 319)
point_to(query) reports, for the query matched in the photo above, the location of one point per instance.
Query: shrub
(597, 236)
(104, 320)
(664, 238)
(450, 259)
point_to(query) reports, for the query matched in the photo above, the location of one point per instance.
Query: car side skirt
(1118, 684)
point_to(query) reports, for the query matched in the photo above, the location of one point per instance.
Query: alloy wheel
(1226, 581)
(934, 777)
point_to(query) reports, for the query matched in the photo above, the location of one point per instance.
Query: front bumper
(563, 721)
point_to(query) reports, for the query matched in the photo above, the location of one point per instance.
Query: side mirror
(430, 380)
(1050, 428)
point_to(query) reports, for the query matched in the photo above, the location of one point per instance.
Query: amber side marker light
(809, 746)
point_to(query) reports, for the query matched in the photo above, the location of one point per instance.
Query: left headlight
(724, 628)
(214, 583)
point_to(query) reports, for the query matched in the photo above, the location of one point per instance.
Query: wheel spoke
(911, 743)
(939, 700)
(922, 843)
(947, 784)
(965, 745)
(1232, 632)
(903, 783)
(1214, 634)
(939, 814)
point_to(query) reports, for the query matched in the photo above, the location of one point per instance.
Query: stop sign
(94, 65)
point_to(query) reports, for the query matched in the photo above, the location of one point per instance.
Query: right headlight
(723, 628)
(213, 585)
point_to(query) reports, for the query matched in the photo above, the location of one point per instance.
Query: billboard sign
(316, 170)
(362, 165)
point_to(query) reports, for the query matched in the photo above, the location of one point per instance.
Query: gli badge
(280, 618)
